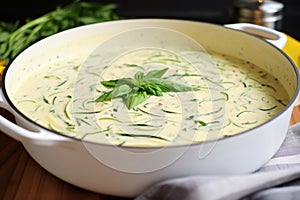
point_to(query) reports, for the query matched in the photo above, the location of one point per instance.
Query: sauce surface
(233, 96)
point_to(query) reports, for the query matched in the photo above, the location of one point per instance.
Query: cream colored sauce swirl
(233, 96)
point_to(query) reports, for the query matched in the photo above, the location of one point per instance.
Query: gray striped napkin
(278, 179)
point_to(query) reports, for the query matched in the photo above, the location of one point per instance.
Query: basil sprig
(134, 91)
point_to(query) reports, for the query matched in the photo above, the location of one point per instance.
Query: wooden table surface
(22, 178)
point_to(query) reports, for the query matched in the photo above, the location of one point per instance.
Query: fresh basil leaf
(121, 91)
(135, 99)
(107, 96)
(139, 76)
(127, 81)
(135, 91)
(122, 81)
(161, 87)
(156, 73)
(153, 89)
(109, 84)
(172, 86)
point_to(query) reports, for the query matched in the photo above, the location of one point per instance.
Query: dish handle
(32, 135)
(274, 37)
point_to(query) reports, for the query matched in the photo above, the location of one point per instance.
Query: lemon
(292, 49)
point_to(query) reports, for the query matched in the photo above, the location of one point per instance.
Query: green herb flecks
(134, 91)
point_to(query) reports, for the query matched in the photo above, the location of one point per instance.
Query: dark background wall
(213, 11)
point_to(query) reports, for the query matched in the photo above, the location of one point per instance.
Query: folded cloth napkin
(277, 179)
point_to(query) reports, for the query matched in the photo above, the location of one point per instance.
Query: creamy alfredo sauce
(232, 96)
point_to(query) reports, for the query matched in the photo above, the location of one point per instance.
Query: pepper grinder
(261, 12)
